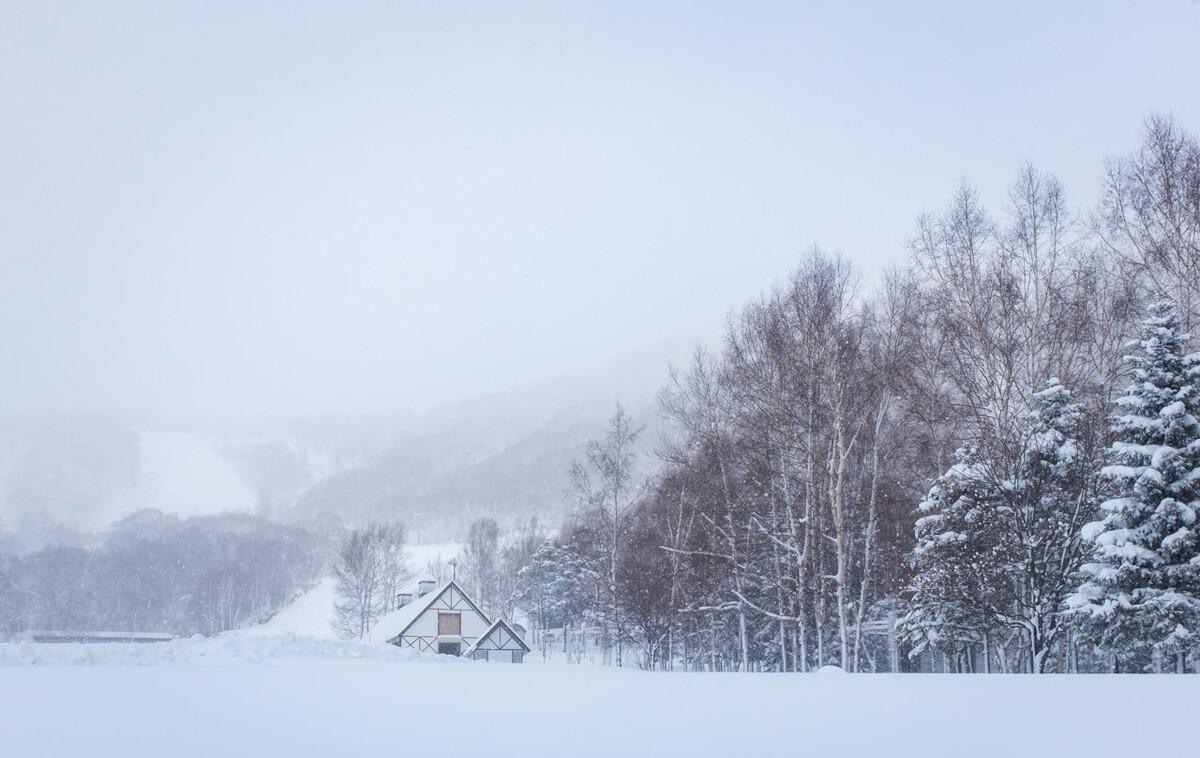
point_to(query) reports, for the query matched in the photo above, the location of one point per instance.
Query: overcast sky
(394, 204)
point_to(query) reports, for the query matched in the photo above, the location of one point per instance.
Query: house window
(449, 648)
(449, 623)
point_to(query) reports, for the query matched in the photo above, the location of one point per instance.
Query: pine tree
(998, 540)
(559, 586)
(1141, 592)
(1035, 530)
(946, 560)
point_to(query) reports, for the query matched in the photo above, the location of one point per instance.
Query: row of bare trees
(780, 530)
(489, 563)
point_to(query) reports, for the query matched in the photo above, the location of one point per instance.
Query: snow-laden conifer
(998, 541)
(947, 559)
(1141, 590)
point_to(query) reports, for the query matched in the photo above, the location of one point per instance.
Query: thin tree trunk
(837, 498)
(872, 508)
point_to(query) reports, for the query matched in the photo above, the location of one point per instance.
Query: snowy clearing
(317, 698)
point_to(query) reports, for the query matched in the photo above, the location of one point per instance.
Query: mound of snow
(309, 615)
(831, 670)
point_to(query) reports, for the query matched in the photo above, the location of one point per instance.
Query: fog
(389, 207)
(400, 260)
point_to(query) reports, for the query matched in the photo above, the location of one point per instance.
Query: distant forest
(154, 572)
(987, 462)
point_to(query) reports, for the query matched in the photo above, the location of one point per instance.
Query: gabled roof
(398, 621)
(499, 624)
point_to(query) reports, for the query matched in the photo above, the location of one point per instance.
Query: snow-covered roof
(398, 621)
(497, 624)
(393, 624)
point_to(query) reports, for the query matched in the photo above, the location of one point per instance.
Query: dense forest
(988, 462)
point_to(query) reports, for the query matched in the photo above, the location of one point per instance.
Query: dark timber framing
(457, 600)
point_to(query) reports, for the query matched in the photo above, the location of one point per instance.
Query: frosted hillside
(308, 615)
(329, 705)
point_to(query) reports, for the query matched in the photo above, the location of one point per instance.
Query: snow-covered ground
(317, 700)
(287, 688)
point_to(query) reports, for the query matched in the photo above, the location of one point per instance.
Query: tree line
(988, 462)
(155, 572)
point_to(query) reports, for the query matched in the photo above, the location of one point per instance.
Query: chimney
(403, 599)
(424, 587)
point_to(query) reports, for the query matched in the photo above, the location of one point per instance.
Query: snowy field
(288, 688)
(293, 697)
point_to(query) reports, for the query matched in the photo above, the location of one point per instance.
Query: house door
(449, 648)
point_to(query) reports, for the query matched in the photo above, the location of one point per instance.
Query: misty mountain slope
(66, 476)
(505, 455)
(455, 474)
(64, 480)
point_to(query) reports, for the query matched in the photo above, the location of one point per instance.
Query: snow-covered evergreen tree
(1035, 530)
(998, 542)
(946, 560)
(559, 587)
(1142, 589)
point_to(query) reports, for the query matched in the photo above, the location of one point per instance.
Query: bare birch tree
(605, 482)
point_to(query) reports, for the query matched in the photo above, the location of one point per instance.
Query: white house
(442, 620)
(499, 643)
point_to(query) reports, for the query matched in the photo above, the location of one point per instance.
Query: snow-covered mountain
(66, 476)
